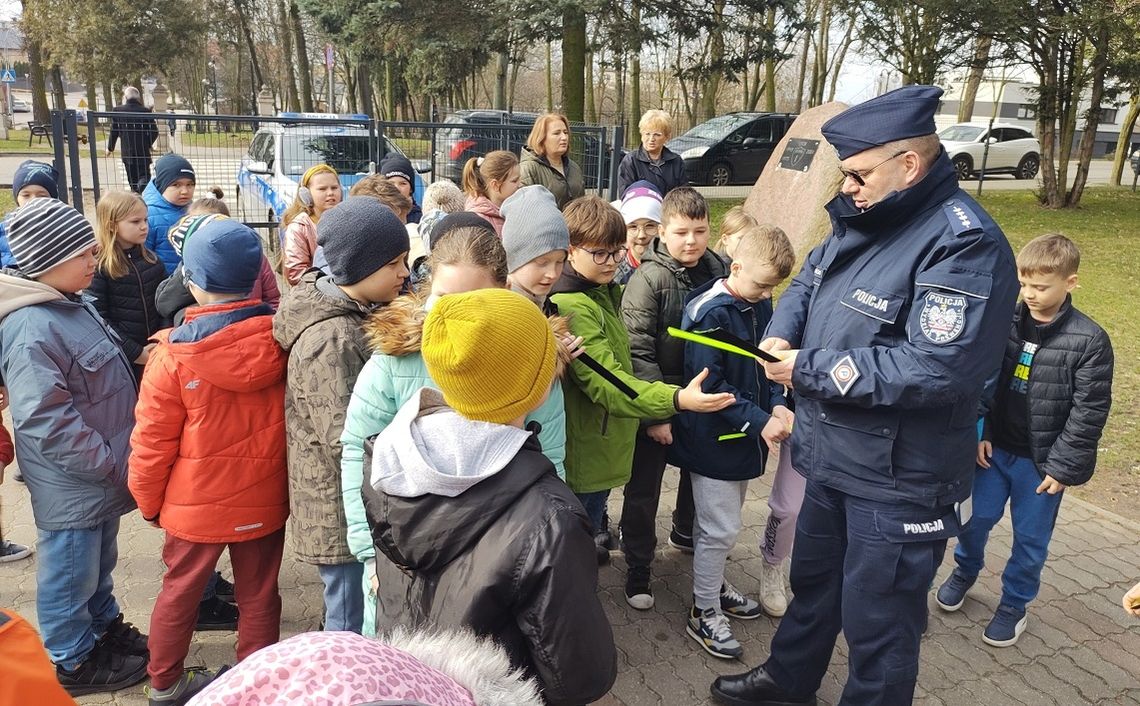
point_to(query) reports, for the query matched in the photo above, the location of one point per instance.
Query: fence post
(93, 151)
(72, 130)
(57, 144)
(615, 161)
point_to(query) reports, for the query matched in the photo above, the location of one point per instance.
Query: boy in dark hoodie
(478, 529)
(320, 326)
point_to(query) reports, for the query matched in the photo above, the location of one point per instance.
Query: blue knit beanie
(39, 173)
(223, 257)
(170, 168)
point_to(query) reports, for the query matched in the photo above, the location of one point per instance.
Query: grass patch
(18, 142)
(1106, 227)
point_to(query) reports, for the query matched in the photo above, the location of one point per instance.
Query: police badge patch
(844, 374)
(943, 317)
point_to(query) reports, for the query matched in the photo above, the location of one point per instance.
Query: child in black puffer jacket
(127, 275)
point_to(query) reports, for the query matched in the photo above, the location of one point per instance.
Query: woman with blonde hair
(488, 181)
(127, 275)
(318, 191)
(546, 160)
(653, 161)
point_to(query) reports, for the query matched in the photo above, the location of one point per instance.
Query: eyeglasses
(859, 175)
(649, 229)
(601, 257)
(657, 135)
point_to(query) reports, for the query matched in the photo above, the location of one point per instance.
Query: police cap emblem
(943, 317)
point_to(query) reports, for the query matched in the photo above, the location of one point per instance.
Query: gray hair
(131, 93)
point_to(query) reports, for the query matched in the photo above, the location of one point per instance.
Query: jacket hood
(17, 292)
(570, 281)
(241, 356)
(422, 463)
(708, 296)
(483, 206)
(307, 305)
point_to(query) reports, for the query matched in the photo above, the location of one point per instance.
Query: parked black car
(477, 132)
(732, 148)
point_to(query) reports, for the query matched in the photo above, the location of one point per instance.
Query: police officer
(888, 334)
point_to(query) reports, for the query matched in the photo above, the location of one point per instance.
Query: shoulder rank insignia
(962, 218)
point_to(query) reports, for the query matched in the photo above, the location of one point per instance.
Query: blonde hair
(113, 207)
(384, 191)
(592, 220)
(1049, 254)
(298, 206)
(480, 171)
(537, 138)
(735, 220)
(656, 119)
(471, 245)
(766, 244)
(210, 204)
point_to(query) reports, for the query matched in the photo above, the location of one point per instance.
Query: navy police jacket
(725, 445)
(900, 315)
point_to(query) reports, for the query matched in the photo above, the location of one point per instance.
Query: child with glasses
(640, 208)
(601, 419)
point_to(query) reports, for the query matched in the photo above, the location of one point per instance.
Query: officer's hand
(1131, 601)
(781, 373)
(691, 399)
(1050, 485)
(661, 433)
(773, 433)
(985, 453)
(773, 344)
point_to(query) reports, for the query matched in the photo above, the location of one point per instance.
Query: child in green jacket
(602, 420)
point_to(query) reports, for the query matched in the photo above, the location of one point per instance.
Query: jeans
(73, 589)
(344, 602)
(595, 505)
(1012, 478)
(862, 567)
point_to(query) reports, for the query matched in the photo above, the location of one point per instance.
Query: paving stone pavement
(1079, 648)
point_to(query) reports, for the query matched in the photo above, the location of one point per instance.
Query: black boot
(754, 688)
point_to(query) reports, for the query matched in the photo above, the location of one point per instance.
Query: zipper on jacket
(142, 291)
(605, 422)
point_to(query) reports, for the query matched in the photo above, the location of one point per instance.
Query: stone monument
(801, 176)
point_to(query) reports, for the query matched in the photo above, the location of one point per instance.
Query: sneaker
(735, 604)
(190, 683)
(10, 551)
(952, 593)
(680, 541)
(223, 589)
(19, 477)
(637, 591)
(711, 631)
(125, 639)
(600, 541)
(103, 670)
(773, 596)
(216, 614)
(1005, 627)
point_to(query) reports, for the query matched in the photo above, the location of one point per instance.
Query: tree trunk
(634, 72)
(837, 65)
(770, 67)
(514, 82)
(574, 64)
(549, 79)
(389, 91)
(303, 66)
(974, 79)
(808, 10)
(1047, 127)
(364, 89)
(591, 100)
(92, 98)
(1092, 116)
(715, 63)
(1124, 141)
(502, 69)
(822, 43)
(256, 79)
(59, 98)
(109, 96)
(292, 101)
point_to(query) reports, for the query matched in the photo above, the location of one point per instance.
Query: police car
(281, 152)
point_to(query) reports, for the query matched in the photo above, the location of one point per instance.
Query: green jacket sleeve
(370, 410)
(654, 400)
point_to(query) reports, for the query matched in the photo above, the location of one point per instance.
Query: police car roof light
(293, 115)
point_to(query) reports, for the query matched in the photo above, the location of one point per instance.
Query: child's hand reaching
(661, 433)
(691, 398)
(774, 432)
(785, 415)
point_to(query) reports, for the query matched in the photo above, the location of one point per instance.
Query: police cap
(896, 115)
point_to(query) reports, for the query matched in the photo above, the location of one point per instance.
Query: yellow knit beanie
(491, 352)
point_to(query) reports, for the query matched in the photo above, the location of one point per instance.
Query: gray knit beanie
(44, 233)
(532, 226)
(359, 236)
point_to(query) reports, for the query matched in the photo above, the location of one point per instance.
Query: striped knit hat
(44, 233)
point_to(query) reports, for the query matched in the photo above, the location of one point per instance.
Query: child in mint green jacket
(466, 259)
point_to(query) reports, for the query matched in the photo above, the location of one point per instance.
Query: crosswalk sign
(8, 76)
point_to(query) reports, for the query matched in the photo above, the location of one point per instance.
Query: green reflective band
(730, 437)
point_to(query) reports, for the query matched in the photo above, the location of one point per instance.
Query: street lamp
(214, 80)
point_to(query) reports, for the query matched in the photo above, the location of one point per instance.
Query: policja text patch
(943, 316)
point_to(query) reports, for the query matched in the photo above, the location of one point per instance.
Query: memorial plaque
(798, 154)
(799, 179)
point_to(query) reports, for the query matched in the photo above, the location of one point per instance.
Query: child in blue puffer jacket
(167, 198)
